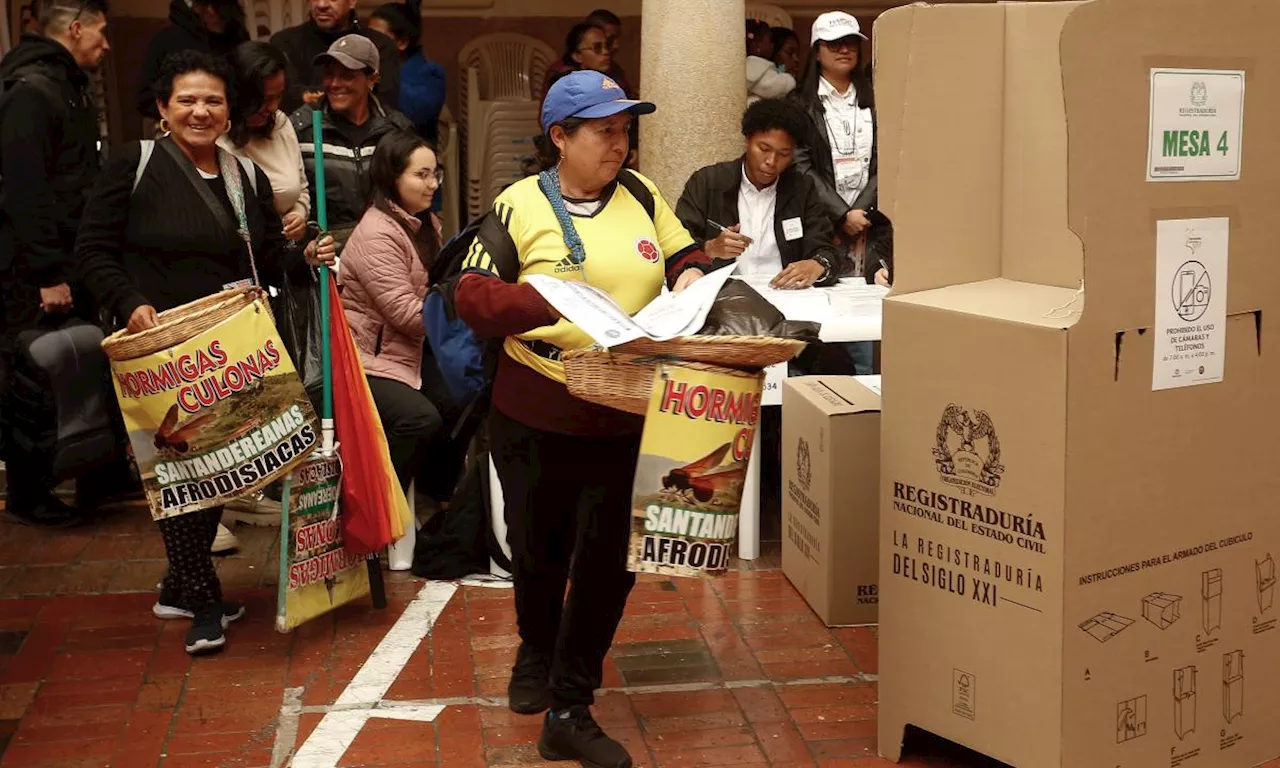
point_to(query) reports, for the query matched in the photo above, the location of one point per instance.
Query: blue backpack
(468, 364)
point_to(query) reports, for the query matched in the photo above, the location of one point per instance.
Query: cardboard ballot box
(1079, 450)
(831, 494)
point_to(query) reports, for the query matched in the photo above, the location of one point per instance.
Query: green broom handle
(322, 218)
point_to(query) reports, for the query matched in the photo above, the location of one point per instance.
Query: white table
(848, 312)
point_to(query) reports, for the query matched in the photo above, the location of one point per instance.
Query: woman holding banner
(566, 465)
(163, 228)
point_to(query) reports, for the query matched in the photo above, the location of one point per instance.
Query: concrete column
(692, 60)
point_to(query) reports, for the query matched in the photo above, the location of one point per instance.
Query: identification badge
(792, 229)
(850, 172)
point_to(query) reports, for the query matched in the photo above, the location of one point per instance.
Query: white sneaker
(225, 541)
(255, 510)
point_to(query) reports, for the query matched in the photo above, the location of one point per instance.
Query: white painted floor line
(384, 665)
(501, 701)
(342, 723)
(491, 582)
(423, 714)
(287, 727)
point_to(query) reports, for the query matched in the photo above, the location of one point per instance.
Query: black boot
(529, 691)
(48, 512)
(573, 734)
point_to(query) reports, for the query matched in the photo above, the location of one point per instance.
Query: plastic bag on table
(740, 310)
(297, 311)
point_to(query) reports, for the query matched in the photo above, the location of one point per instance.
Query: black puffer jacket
(186, 33)
(348, 150)
(49, 157)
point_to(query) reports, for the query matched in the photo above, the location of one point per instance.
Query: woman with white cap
(840, 155)
(567, 465)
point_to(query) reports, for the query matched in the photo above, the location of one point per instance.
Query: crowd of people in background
(224, 195)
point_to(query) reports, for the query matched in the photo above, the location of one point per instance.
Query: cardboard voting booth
(1078, 458)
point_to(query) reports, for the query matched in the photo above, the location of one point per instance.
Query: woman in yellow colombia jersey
(566, 465)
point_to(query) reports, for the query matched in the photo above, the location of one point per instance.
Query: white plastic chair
(771, 14)
(452, 191)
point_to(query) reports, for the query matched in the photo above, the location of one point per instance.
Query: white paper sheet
(847, 311)
(589, 308)
(774, 376)
(1191, 302)
(669, 316)
(870, 382)
(683, 314)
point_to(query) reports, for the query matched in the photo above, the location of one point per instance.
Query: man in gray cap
(302, 45)
(353, 120)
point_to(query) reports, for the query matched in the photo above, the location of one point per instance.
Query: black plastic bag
(460, 541)
(297, 311)
(740, 310)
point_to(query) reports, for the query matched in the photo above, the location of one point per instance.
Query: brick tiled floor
(704, 673)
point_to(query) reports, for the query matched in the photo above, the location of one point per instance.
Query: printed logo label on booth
(967, 452)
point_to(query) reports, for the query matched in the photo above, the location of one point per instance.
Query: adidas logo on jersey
(566, 265)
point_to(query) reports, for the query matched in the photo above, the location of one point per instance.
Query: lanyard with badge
(850, 166)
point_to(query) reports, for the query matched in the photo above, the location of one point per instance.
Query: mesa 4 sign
(1196, 125)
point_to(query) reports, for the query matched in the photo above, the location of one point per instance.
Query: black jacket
(49, 157)
(184, 33)
(712, 193)
(814, 159)
(162, 245)
(346, 159)
(301, 44)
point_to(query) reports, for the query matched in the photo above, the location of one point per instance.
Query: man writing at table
(759, 210)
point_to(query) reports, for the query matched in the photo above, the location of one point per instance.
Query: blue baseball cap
(588, 94)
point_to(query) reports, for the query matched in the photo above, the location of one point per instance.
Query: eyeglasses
(437, 174)
(843, 45)
(601, 48)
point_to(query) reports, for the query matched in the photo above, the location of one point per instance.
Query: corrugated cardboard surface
(958, 603)
(830, 508)
(1116, 496)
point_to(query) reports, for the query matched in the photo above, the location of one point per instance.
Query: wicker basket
(620, 380)
(179, 324)
(743, 352)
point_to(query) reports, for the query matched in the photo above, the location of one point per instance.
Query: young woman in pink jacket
(384, 280)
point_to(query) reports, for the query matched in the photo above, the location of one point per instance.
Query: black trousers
(28, 474)
(410, 420)
(192, 581)
(568, 511)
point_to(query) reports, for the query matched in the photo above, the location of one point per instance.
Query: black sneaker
(206, 635)
(573, 734)
(529, 691)
(168, 606)
(51, 512)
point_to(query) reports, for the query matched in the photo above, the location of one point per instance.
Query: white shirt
(757, 211)
(850, 131)
(280, 158)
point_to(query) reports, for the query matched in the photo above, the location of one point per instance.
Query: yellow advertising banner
(217, 417)
(316, 573)
(698, 434)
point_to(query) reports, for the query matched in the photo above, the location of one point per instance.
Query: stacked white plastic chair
(450, 136)
(501, 84)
